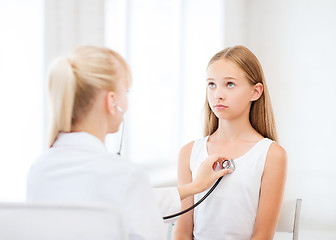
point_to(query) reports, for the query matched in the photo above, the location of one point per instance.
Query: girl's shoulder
(185, 151)
(277, 154)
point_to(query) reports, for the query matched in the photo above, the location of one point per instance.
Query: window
(168, 45)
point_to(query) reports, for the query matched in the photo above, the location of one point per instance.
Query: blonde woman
(88, 97)
(239, 124)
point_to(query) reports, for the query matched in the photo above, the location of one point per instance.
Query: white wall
(21, 101)
(295, 42)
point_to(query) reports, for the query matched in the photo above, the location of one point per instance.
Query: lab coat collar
(79, 139)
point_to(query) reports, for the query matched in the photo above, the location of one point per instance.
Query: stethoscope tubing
(227, 164)
(197, 203)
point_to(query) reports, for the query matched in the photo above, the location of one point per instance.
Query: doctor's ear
(110, 99)
(257, 91)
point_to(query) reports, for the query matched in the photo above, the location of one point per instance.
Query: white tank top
(229, 212)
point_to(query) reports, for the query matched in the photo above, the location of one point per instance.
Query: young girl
(239, 124)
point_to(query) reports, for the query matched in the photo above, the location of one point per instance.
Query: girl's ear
(257, 91)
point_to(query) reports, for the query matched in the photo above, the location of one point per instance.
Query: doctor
(88, 97)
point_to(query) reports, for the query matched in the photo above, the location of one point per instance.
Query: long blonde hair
(261, 113)
(74, 80)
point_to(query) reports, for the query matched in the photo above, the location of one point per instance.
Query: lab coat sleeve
(169, 201)
(143, 214)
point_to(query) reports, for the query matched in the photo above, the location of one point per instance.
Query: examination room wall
(21, 93)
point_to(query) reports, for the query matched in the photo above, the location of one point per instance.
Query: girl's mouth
(220, 107)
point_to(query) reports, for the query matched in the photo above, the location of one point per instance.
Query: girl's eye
(211, 85)
(230, 84)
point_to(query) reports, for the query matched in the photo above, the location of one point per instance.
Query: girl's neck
(231, 130)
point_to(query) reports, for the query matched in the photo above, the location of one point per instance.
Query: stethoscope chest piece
(229, 164)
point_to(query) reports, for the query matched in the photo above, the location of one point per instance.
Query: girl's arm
(271, 193)
(184, 225)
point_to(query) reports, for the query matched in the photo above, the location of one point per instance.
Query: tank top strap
(199, 152)
(260, 152)
(264, 146)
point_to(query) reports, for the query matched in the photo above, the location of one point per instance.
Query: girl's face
(229, 92)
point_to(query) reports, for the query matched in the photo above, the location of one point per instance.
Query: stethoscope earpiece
(119, 109)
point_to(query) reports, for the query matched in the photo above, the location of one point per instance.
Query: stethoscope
(122, 130)
(121, 139)
(226, 164)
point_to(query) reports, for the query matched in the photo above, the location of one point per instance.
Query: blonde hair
(261, 113)
(73, 82)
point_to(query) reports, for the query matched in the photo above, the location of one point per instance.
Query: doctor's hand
(207, 173)
(205, 177)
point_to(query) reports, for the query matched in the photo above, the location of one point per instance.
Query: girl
(239, 124)
(88, 98)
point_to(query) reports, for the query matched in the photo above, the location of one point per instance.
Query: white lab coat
(78, 168)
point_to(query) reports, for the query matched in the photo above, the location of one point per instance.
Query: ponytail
(61, 87)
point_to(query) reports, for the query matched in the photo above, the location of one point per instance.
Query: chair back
(289, 219)
(54, 221)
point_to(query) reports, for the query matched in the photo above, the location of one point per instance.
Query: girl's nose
(219, 93)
